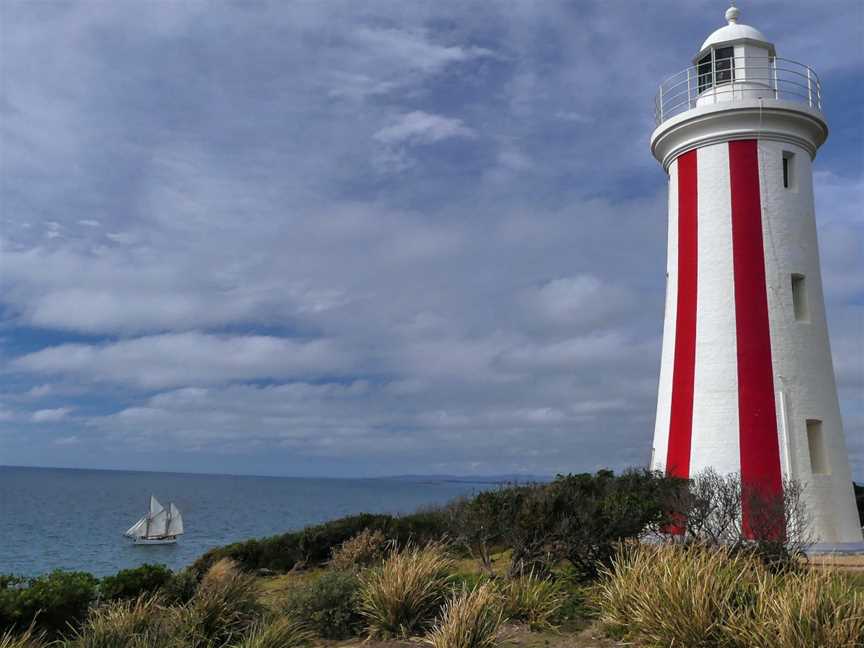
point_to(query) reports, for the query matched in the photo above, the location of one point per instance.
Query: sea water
(74, 519)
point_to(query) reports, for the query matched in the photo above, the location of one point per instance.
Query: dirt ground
(846, 563)
(512, 636)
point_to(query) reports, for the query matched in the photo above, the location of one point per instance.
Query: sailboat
(159, 526)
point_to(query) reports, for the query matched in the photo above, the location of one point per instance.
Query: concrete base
(836, 549)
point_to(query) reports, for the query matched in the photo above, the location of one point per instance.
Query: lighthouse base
(836, 549)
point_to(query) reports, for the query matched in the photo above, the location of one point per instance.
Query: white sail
(155, 506)
(158, 525)
(175, 520)
(137, 530)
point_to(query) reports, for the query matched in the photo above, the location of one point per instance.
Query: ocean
(53, 518)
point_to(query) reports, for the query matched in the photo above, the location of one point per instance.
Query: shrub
(328, 605)
(181, 588)
(277, 633)
(52, 602)
(314, 545)
(402, 596)
(596, 512)
(132, 583)
(799, 610)
(671, 595)
(141, 622)
(534, 600)
(363, 550)
(470, 619)
(718, 510)
(223, 608)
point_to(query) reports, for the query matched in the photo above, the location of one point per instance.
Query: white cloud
(420, 127)
(50, 415)
(187, 358)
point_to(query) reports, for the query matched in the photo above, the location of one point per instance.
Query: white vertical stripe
(715, 440)
(667, 357)
(800, 349)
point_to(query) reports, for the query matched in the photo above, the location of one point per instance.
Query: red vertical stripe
(757, 418)
(681, 414)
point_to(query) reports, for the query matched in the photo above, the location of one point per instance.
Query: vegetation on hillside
(662, 561)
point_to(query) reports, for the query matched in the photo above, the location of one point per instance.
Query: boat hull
(155, 541)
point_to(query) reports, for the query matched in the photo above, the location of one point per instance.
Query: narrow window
(816, 444)
(704, 75)
(799, 298)
(724, 63)
(788, 169)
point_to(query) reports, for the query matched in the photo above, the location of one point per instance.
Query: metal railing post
(809, 89)
(776, 80)
(689, 99)
(714, 74)
(661, 103)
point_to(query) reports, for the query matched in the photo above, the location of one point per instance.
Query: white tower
(746, 379)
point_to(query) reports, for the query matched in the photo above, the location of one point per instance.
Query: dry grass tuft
(403, 596)
(223, 608)
(278, 633)
(679, 596)
(533, 599)
(27, 639)
(141, 622)
(365, 549)
(699, 597)
(800, 610)
(470, 619)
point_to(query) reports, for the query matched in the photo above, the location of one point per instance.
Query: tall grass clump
(29, 638)
(141, 622)
(800, 610)
(470, 619)
(678, 596)
(223, 608)
(403, 596)
(278, 633)
(533, 599)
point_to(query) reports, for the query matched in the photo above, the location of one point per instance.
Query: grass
(403, 596)
(536, 601)
(277, 633)
(27, 639)
(707, 597)
(120, 623)
(470, 619)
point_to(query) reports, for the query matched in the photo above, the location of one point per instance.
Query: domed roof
(735, 32)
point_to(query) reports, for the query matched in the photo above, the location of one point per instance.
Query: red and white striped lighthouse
(746, 380)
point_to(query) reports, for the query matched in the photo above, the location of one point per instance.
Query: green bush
(132, 583)
(314, 545)
(328, 605)
(53, 600)
(181, 588)
(594, 513)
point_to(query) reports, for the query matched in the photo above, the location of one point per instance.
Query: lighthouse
(746, 380)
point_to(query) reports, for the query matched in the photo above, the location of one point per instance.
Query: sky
(365, 238)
